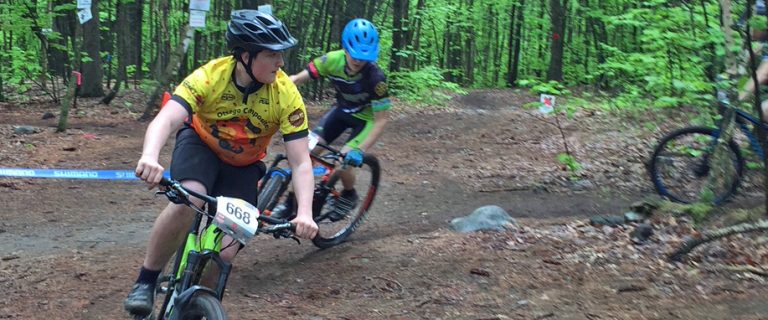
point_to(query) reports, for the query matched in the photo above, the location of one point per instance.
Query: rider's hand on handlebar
(150, 171)
(305, 227)
(354, 157)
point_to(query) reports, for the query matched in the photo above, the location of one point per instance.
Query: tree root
(708, 236)
(742, 268)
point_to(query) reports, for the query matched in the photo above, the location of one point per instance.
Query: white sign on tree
(197, 18)
(265, 8)
(84, 15)
(83, 4)
(202, 5)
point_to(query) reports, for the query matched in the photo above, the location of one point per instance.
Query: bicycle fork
(182, 284)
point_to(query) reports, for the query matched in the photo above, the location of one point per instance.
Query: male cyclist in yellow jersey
(362, 101)
(234, 105)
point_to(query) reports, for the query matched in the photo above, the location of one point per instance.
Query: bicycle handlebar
(177, 193)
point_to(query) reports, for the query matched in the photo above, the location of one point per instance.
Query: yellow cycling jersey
(239, 133)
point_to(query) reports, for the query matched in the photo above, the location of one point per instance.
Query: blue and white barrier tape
(70, 174)
(89, 174)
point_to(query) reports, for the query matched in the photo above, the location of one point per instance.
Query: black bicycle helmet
(253, 31)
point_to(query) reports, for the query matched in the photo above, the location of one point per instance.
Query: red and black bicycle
(331, 176)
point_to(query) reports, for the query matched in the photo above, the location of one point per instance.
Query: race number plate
(313, 139)
(237, 218)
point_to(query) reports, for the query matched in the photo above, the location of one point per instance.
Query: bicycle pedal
(161, 289)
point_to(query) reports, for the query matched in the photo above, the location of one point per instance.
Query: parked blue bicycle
(681, 163)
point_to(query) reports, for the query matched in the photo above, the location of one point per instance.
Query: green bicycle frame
(210, 240)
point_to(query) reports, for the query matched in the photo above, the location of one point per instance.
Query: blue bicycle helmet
(361, 40)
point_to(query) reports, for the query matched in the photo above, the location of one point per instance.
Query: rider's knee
(228, 253)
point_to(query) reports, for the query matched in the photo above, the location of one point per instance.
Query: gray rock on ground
(26, 130)
(484, 218)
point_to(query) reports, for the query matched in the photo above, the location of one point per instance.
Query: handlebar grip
(165, 181)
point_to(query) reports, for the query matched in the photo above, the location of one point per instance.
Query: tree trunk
(37, 30)
(557, 17)
(69, 98)
(108, 41)
(93, 74)
(137, 22)
(407, 37)
(2, 87)
(417, 43)
(353, 9)
(300, 30)
(162, 41)
(125, 48)
(59, 58)
(515, 35)
(399, 9)
(250, 4)
(169, 73)
(337, 24)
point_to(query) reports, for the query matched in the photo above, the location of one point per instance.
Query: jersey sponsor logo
(227, 97)
(381, 88)
(296, 118)
(257, 115)
(189, 87)
(264, 101)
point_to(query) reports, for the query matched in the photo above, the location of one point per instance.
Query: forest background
(628, 54)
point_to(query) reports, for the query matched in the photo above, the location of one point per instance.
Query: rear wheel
(366, 182)
(203, 306)
(681, 167)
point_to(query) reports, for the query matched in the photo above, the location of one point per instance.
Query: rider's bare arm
(303, 184)
(300, 78)
(169, 120)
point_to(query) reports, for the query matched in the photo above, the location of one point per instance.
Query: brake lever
(172, 196)
(286, 234)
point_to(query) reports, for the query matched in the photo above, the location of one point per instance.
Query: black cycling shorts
(336, 121)
(194, 160)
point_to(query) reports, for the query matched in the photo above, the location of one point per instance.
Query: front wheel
(270, 193)
(203, 306)
(333, 225)
(681, 167)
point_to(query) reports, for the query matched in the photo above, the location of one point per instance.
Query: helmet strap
(255, 85)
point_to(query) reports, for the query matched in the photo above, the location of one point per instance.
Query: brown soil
(71, 249)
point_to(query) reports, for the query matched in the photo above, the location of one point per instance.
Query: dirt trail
(70, 249)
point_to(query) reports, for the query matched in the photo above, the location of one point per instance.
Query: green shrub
(422, 86)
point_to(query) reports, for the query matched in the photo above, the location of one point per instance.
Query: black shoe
(343, 205)
(284, 210)
(141, 299)
(281, 211)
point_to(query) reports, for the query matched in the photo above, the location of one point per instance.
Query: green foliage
(651, 54)
(24, 66)
(698, 211)
(752, 165)
(423, 86)
(569, 162)
(148, 86)
(542, 87)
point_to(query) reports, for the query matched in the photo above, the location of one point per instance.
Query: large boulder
(484, 218)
